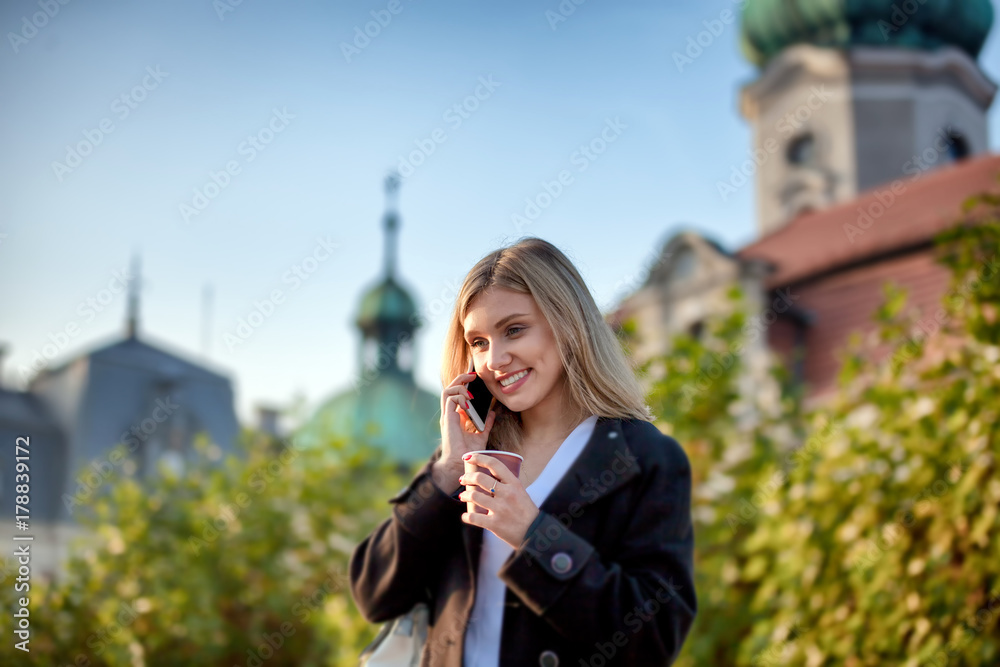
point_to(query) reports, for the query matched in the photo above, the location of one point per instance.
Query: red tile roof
(920, 207)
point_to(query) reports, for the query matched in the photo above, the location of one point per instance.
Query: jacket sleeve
(395, 566)
(640, 600)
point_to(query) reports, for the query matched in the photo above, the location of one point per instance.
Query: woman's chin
(517, 403)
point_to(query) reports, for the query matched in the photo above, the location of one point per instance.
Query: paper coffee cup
(509, 459)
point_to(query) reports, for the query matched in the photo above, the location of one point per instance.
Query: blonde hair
(599, 378)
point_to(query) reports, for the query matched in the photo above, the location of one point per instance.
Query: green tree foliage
(235, 562)
(733, 421)
(863, 531)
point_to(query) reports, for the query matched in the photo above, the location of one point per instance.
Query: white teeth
(513, 378)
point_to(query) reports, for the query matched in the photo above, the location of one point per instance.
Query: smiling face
(510, 339)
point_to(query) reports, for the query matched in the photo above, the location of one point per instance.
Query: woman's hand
(458, 434)
(511, 509)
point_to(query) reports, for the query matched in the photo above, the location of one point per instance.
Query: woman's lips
(516, 385)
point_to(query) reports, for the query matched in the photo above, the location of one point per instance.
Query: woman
(586, 558)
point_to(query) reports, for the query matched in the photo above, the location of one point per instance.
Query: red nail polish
(466, 457)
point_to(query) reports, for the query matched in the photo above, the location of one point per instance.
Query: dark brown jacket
(605, 576)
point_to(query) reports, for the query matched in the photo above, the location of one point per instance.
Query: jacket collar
(605, 464)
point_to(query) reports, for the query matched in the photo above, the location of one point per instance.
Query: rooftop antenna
(132, 315)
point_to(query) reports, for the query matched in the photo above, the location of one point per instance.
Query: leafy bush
(243, 562)
(863, 531)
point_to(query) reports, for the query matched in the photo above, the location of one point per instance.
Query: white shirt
(482, 634)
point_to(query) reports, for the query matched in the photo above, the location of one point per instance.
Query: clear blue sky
(220, 80)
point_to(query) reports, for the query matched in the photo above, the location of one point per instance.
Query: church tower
(384, 408)
(387, 317)
(855, 95)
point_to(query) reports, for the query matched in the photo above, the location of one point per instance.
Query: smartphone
(481, 401)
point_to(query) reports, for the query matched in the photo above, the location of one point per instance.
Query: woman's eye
(476, 343)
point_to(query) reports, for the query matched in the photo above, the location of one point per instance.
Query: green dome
(386, 303)
(389, 413)
(768, 26)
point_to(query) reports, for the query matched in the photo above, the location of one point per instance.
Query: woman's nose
(496, 357)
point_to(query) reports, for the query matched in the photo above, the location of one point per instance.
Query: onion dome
(769, 26)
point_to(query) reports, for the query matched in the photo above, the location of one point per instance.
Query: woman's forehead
(488, 307)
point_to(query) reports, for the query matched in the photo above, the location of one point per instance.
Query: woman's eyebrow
(500, 323)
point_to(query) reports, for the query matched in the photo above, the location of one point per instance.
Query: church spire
(132, 317)
(391, 223)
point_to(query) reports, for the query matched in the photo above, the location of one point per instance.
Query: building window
(404, 358)
(799, 354)
(958, 146)
(683, 265)
(369, 352)
(802, 150)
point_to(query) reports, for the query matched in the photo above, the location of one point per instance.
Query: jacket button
(561, 562)
(612, 435)
(548, 659)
